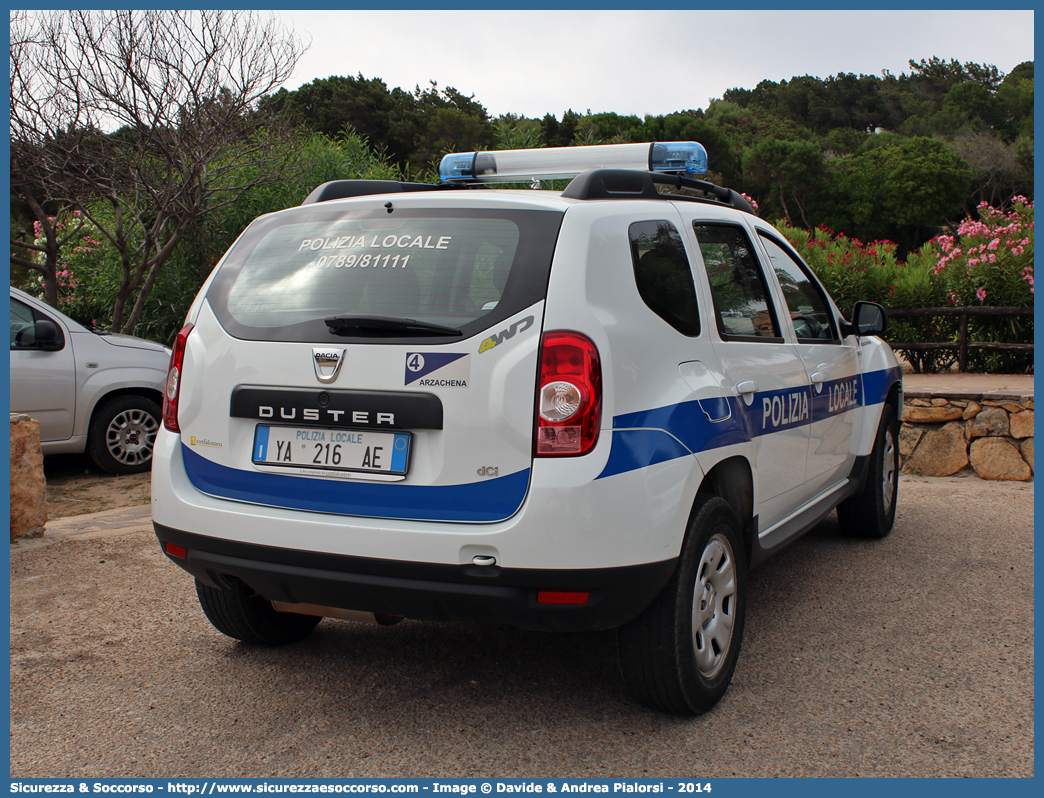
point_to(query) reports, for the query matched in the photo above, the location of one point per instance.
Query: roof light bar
(552, 163)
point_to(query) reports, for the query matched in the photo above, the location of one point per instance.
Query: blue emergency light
(552, 163)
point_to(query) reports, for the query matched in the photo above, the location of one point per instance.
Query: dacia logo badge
(327, 362)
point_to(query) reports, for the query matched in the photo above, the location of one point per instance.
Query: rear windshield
(466, 269)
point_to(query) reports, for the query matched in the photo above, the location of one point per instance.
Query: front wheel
(243, 614)
(871, 513)
(679, 655)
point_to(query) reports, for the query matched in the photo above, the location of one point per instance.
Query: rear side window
(466, 269)
(663, 275)
(737, 284)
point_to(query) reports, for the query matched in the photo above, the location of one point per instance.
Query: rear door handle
(747, 386)
(817, 379)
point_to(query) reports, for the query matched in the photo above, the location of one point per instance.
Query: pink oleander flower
(981, 294)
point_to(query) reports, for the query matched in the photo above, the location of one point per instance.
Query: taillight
(569, 395)
(172, 392)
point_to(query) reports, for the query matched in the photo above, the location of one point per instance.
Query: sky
(535, 62)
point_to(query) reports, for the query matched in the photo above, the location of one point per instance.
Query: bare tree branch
(152, 114)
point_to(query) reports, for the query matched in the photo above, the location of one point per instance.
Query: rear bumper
(424, 591)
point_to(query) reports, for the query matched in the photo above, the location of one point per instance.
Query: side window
(663, 275)
(23, 333)
(741, 301)
(806, 303)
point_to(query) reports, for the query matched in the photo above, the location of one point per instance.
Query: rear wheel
(871, 513)
(679, 655)
(243, 614)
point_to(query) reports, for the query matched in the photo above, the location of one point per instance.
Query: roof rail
(341, 189)
(594, 184)
(632, 184)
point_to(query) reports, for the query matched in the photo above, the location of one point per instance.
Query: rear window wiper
(348, 325)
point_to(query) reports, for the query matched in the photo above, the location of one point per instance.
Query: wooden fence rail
(962, 344)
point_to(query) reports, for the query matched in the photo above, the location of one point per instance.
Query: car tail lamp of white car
(569, 397)
(171, 392)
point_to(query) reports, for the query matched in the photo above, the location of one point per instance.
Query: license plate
(332, 449)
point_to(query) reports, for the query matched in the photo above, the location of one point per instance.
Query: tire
(679, 655)
(243, 614)
(871, 513)
(122, 434)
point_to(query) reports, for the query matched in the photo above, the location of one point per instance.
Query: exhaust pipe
(378, 618)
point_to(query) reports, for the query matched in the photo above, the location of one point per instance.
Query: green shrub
(988, 262)
(90, 269)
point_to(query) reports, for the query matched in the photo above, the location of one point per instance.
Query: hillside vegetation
(915, 190)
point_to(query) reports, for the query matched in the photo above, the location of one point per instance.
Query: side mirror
(868, 318)
(47, 335)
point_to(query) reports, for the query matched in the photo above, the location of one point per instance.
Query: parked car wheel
(246, 616)
(122, 434)
(871, 513)
(679, 655)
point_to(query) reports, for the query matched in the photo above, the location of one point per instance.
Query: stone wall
(991, 434)
(28, 504)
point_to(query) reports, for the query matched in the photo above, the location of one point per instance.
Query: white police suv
(562, 410)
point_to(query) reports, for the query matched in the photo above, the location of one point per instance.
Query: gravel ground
(76, 486)
(911, 656)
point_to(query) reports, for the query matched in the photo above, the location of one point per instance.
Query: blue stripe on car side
(654, 436)
(877, 384)
(487, 501)
(633, 449)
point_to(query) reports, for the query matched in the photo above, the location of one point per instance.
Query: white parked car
(564, 410)
(90, 391)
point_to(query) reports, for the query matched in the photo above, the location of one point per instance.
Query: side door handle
(746, 387)
(817, 380)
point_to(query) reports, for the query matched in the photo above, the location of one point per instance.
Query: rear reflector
(176, 551)
(562, 597)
